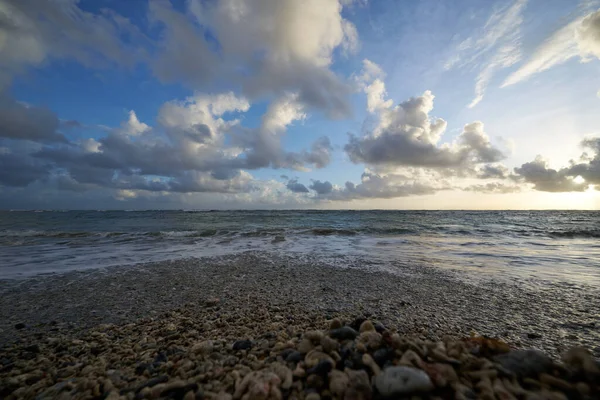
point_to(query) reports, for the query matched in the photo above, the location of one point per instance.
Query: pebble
(402, 380)
(343, 333)
(242, 345)
(525, 363)
(145, 360)
(366, 326)
(294, 356)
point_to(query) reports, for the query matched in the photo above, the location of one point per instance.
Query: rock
(338, 381)
(335, 324)
(294, 356)
(371, 339)
(322, 368)
(533, 335)
(369, 362)
(402, 380)
(329, 344)
(211, 302)
(242, 345)
(582, 363)
(34, 348)
(343, 333)
(383, 355)
(440, 374)
(379, 327)
(205, 347)
(366, 326)
(20, 325)
(357, 323)
(305, 346)
(315, 357)
(359, 387)
(284, 374)
(314, 336)
(525, 363)
(258, 385)
(312, 396)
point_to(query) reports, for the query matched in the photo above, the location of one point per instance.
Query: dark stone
(34, 348)
(20, 325)
(96, 350)
(177, 393)
(242, 345)
(174, 350)
(139, 370)
(321, 369)
(161, 358)
(148, 383)
(33, 379)
(294, 356)
(357, 323)
(533, 335)
(383, 355)
(343, 333)
(379, 327)
(525, 363)
(315, 381)
(286, 352)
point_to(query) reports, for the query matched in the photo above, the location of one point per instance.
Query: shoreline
(412, 299)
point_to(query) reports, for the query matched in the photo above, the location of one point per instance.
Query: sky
(271, 104)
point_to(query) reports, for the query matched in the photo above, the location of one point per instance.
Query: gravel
(407, 298)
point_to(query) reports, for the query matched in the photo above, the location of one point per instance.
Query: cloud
(296, 187)
(493, 171)
(262, 146)
(384, 186)
(34, 31)
(197, 146)
(547, 179)
(407, 136)
(493, 188)
(25, 122)
(580, 37)
(19, 170)
(321, 187)
(496, 45)
(183, 55)
(578, 176)
(267, 46)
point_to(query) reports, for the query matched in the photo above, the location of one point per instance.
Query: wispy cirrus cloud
(494, 46)
(579, 38)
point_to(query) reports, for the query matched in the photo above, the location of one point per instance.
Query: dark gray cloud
(186, 152)
(407, 136)
(547, 179)
(296, 187)
(384, 186)
(493, 171)
(21, 170)
(20, 121)
(321, 187)
(589, 166)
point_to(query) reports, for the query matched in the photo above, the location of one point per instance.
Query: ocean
(527, 246)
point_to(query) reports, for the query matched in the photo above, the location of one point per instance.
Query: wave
(576, 233)
(332, 231)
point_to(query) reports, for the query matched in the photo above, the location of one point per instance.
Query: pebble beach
(262, 326)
